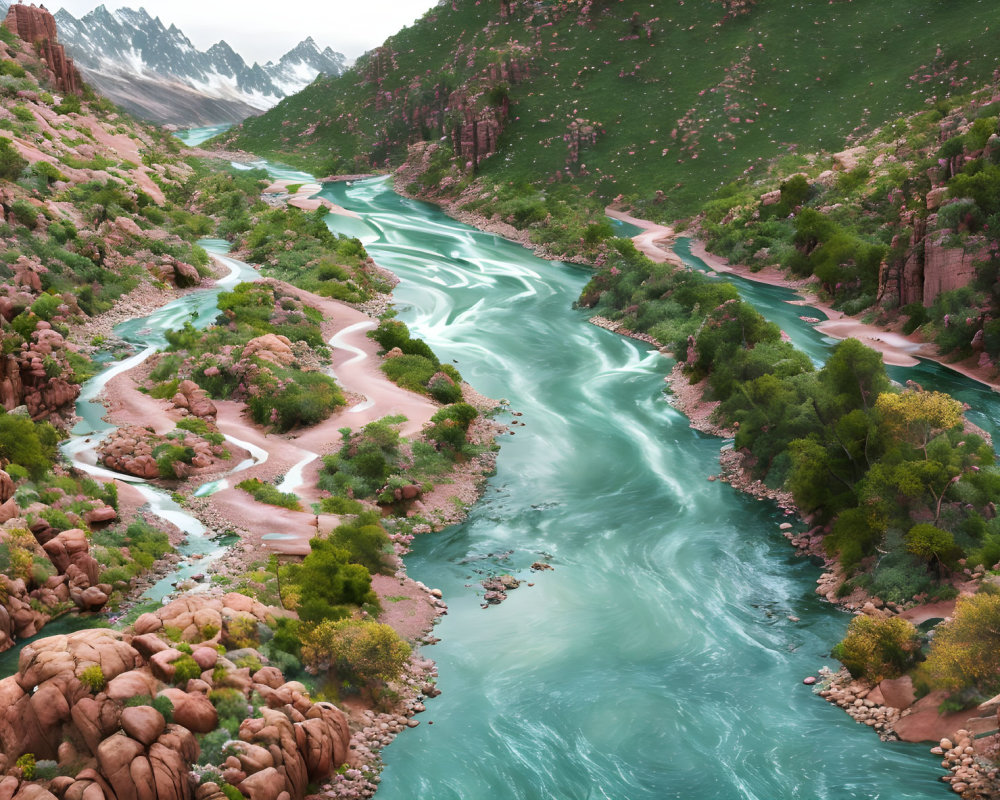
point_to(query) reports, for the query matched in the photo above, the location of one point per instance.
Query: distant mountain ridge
(155, 71)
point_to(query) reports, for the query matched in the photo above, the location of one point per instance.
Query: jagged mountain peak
(117, 51)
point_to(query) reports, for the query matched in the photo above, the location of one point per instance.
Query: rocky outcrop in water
(37, 27)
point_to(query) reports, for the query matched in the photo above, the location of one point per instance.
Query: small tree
(933, 545)
(11, 162)
(917, 417)
(966, 651)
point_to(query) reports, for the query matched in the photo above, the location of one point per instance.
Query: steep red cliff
(36, 26)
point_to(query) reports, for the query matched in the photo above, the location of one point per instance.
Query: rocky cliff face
(931, 256)
(36, 26)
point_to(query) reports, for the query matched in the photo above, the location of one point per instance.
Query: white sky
(263, 32)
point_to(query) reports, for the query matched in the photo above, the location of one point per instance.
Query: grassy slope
(807, 75)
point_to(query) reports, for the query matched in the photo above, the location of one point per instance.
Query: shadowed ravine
(658, 659)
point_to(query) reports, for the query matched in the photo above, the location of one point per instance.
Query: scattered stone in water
(810, 680)
(539, 566)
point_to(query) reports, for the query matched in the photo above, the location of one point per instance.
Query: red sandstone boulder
(898, 693)
(100, 514)
(194, 711)
(143, 723)
(264, 785)
(6, 487)
(147, 623)
(131, 684)
(270, 347)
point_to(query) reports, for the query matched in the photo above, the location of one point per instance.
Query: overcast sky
(263, 32)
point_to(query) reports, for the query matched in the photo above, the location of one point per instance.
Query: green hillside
(630, 97)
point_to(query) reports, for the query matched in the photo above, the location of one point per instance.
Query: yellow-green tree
(917, 417)
(933, 545)
(367, 651)
(876, 648)
(966, 651)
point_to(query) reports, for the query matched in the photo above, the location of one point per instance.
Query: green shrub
(287, 636)
(340, 505)
(26, 763)
(185, 668)
(410, 371)
(268, 493)
(231, 792)
(161, 704)
(230, 703)
(966, 650)
(167, 455)
(93, 678)
(25, 213)
(362, 650)
(877, 648)
(11, 162)
(12, 68)
(241, 632)
(249, 662)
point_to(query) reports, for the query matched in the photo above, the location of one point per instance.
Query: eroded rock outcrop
(37, 27)
(68, 702)
(33, 375)
(139, 451)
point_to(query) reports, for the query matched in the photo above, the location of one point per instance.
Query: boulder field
(119, 712)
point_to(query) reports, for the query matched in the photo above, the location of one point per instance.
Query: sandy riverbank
(655, 242)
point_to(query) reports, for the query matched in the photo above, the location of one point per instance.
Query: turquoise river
(659, 659)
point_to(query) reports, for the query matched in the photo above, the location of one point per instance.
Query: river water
(658, 659)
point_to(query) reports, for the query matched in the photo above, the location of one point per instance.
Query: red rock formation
(50, 709)
(25, 381)
(947, 268)
(36, 26)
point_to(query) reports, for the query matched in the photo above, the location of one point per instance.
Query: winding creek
(658, 659)
(146, 334)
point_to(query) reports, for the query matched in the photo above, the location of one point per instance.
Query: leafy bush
(93, 678)
(327, 582)
(26, 763)
(449, 426)
(361, 650)
(340, 505)
(241, 632)
(11, 162)
(877, 648)
(185, 668)
(231, 792)
(392, 333)
(268, 493)
(365, 540)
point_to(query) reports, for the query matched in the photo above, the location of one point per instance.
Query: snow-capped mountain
(157, 73)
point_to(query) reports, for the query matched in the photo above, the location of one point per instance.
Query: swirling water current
(658, 659)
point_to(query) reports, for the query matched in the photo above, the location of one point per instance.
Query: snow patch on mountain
(140, 63)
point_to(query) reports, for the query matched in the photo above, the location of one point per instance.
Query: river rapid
(659, 658)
